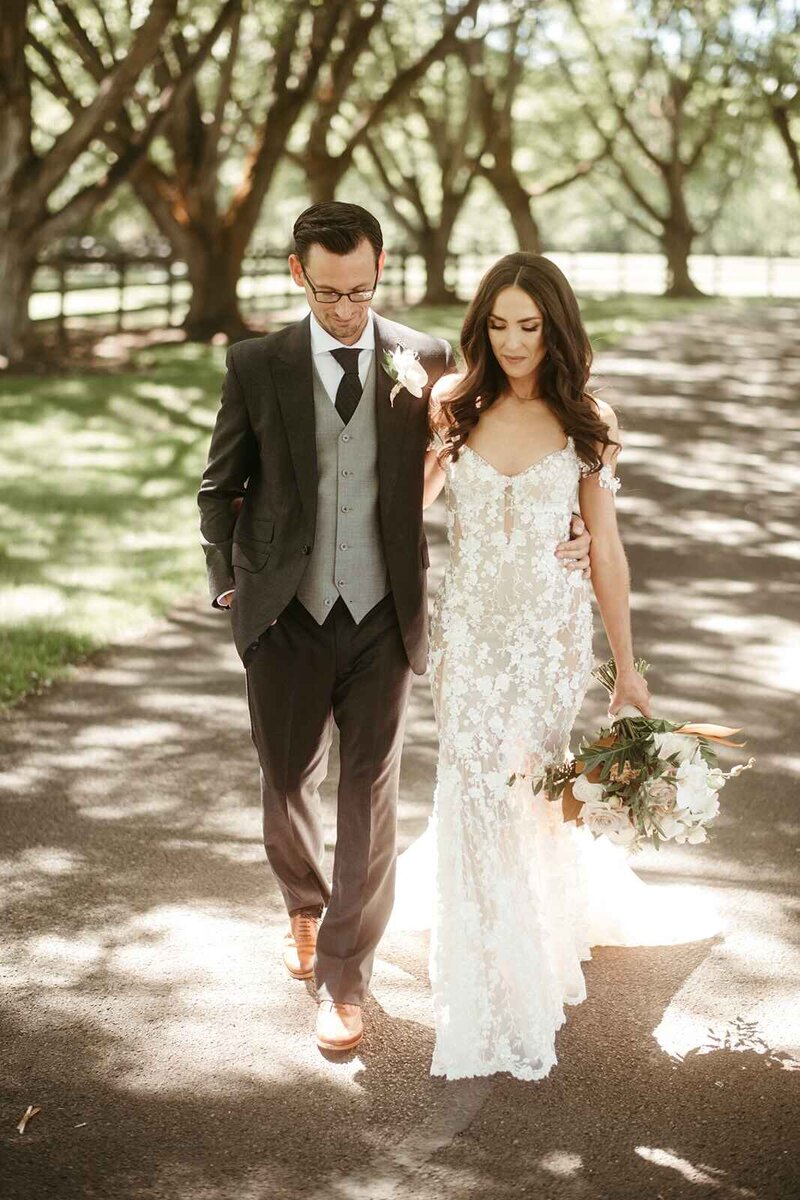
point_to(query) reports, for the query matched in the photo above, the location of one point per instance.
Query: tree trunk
(433, 245)
(780, 117)
(214, 268)
(676, 242)
(324, 176)
(518, 204)
(17, 267)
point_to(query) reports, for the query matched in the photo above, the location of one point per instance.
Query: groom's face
(343, 273)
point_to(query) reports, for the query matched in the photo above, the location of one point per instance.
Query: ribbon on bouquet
(714, 733)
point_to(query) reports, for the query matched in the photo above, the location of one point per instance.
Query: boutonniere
(404, 367)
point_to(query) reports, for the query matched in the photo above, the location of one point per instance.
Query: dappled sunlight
(142, 928)
(97, 502)
(169, 970)
(760, 944)
(561, 1163)
(701, 1174)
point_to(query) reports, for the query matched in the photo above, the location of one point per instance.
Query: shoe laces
(305, 930)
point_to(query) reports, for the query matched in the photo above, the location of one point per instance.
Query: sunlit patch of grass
(33, 654)
(99, 522)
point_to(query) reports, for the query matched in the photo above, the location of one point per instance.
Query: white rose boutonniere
(404, 367)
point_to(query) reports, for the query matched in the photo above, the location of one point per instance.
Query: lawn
(98, 478)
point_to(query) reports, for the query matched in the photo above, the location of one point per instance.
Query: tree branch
(110, 98)
(84, 203)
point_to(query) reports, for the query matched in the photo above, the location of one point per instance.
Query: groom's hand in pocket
(574, 554)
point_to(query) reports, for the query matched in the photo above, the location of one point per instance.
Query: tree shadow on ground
(146, 1009)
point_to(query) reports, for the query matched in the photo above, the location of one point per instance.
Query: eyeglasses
(329, 296)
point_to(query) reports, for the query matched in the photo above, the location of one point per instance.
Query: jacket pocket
(250, 555)
(254, 529)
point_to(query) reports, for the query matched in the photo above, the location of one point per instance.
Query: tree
(659, 109)
(358, 87)
(774, 62)
(426, 160)
(31, 178)
(205, 183)
(502, 72)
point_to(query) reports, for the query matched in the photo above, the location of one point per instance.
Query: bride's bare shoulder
(605, 412)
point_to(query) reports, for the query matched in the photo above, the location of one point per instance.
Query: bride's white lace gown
(518, 895)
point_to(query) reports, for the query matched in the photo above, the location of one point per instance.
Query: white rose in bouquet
(599, 817)
(662, 791)
(586, 791)
(682, 744)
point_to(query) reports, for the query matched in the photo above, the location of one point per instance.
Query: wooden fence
(115, 291)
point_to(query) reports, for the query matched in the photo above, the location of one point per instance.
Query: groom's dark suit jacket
(263, 449)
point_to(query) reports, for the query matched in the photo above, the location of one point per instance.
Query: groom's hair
(337, 227)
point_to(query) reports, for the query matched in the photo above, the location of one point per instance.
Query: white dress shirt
(329, 370)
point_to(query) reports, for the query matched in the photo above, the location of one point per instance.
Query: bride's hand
(631, 688)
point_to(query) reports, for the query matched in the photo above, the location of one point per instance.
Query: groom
(311, 522)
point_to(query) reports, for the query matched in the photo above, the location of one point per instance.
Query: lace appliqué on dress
(510, 659)
(514, 897)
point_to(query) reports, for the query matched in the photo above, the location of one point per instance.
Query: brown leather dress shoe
(301, 945)
(339, 1026)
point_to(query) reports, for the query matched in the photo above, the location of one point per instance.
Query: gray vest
(347, 559)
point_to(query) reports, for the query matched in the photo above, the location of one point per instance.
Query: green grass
(97, 506)
(98, 478)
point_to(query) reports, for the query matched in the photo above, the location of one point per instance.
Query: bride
(519, 896)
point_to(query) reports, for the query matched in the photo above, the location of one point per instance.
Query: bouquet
(643, 779)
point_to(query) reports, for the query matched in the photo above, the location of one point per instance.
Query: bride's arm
(434, 478)
(434, 472)
(610, 575)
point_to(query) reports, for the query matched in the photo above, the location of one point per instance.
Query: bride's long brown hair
(562, 375)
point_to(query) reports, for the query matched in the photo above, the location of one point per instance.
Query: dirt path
(144, 1006)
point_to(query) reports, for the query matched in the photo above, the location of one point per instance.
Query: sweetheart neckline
(526, 470)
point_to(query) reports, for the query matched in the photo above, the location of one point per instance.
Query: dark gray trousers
(301, 678)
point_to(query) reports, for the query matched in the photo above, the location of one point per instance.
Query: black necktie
(348, 393)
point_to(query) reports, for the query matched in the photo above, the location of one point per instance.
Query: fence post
(121, 273)
(170, 293)
(62, 290)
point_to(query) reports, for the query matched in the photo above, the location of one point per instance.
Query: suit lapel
(292, 373)
(391, 418)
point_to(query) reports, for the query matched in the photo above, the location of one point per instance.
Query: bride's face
(515, 331)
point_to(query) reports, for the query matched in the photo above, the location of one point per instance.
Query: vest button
(343, 546)
(306, 549)
(345, 437)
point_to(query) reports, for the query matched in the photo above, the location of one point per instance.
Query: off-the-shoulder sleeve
(608, 478)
